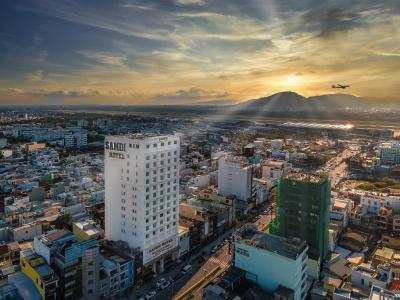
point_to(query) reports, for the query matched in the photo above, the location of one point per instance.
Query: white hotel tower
(141, 195)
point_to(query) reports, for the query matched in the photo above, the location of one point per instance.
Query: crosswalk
(222, 263)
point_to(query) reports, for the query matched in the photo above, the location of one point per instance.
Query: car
(165, 285)
(186, 269)
(160, 282)
(150, 295)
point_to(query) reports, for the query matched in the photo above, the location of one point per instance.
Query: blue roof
(44, 270)
(25, 286)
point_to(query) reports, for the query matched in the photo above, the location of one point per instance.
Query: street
(180, 285)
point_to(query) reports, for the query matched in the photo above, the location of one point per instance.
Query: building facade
(234, 178)
(389, 154)
(272, 261)
(141, 195)
(304, 203)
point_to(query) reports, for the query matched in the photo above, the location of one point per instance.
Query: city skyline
(192, 51)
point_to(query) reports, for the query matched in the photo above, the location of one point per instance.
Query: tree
(63, 222)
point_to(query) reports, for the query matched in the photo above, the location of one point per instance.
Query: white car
(150, 295)
(160, 282)
(186, 269)
(165, 285)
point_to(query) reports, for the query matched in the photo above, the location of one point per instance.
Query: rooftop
(141, 136)
(288, 247)
(305, 177)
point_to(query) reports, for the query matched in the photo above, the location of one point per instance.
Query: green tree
(63, 222)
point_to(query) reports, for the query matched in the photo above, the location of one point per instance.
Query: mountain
(337, 101)
(290, 101)
(283, 101)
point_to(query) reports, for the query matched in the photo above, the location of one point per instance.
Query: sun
(293, 80)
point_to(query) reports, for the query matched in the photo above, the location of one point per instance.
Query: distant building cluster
(98, 206)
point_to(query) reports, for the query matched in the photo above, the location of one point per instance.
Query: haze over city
(199, 150)
(196, 51)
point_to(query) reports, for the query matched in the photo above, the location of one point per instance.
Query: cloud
(36, 76)
(191, 94)
(191, 2)
(184, 50)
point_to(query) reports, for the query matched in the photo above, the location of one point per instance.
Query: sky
(195, 51)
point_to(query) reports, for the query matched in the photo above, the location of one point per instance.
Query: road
(336, 167)
(219, 261)
(176, 286)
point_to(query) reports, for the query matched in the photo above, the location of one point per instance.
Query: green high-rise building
(303, 209)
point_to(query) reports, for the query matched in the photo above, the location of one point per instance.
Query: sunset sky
(191, 51)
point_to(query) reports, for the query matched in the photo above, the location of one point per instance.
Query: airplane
(340, 86)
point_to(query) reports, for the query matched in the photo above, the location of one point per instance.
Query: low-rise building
(27, 232)
(44, 278)
(116, 272)
(86, 230)
(255, 250)
(365, 276)
(184, 241)
(75, 262)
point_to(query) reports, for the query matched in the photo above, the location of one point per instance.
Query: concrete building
(141, 195)
(34, 146)
(86, 230)
(341, 212)
(372, 202)
(44, 278)
(389, 153)
(75, 262)
(277, 144)
(365, 276)
(275, 169)
(272, 261)
(27, 232)
(184, 241)
(75, 140)
(235, 178)
(201, 180)
(116, 272)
